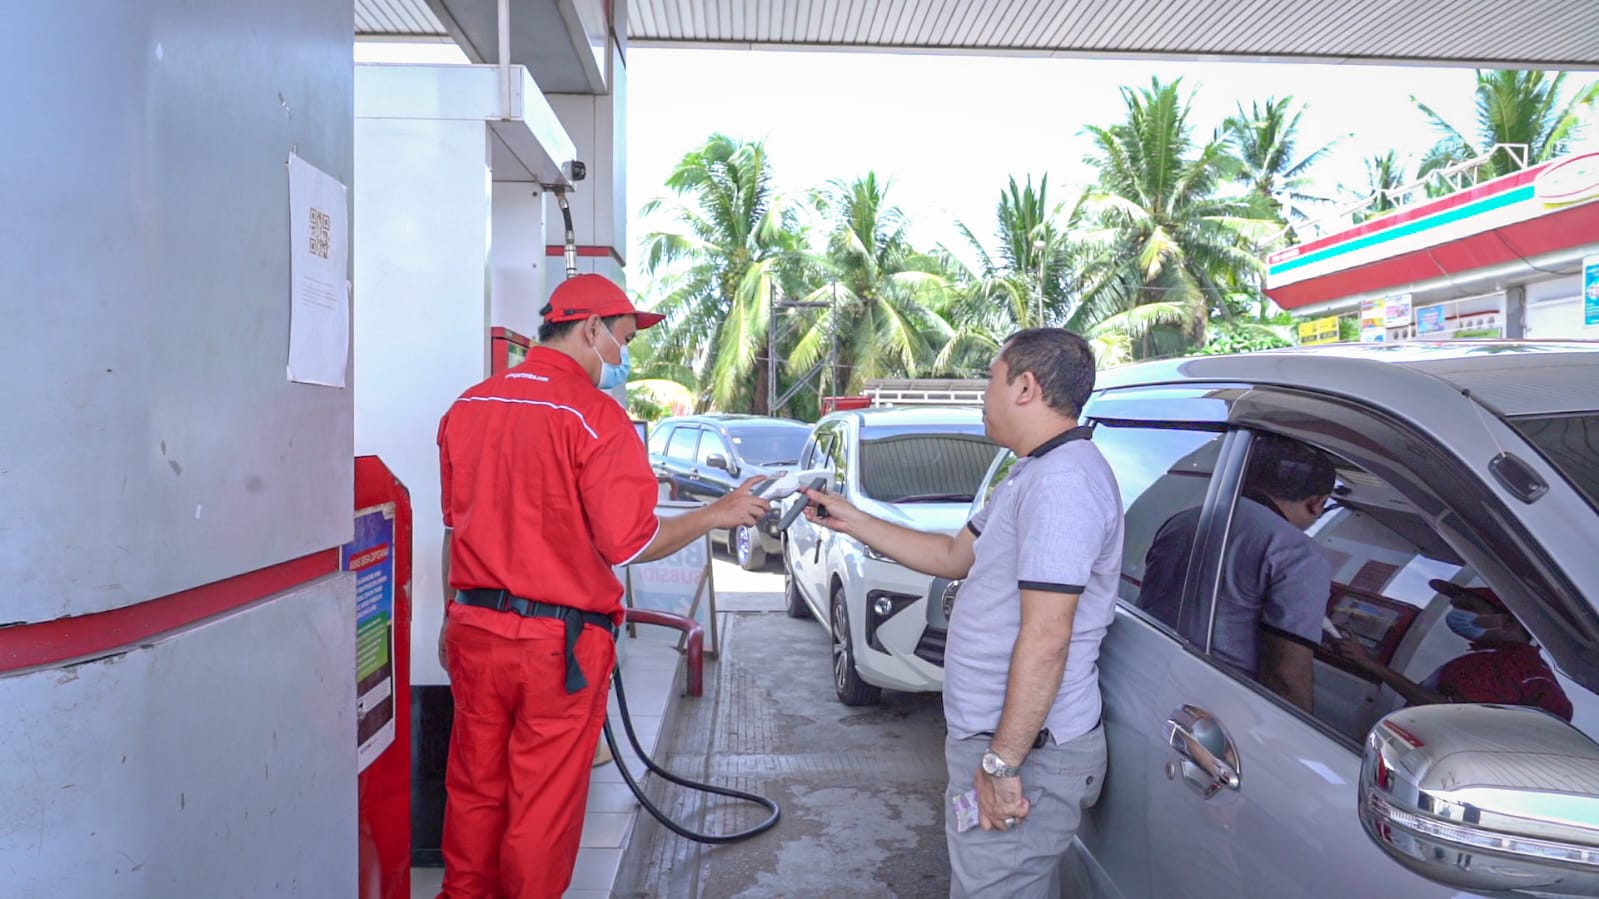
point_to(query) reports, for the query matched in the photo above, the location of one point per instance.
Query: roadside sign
(1318, 331)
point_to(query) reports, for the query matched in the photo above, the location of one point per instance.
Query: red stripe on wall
(48, 643)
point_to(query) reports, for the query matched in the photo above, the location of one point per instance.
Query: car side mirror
(717, 460)
(1485, 798)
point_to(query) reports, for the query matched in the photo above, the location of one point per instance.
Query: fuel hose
(680, 830)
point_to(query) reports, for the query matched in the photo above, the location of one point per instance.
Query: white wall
(518, 258)
(217, 762)
(1555, 310)
(422, 237)
(152, 441)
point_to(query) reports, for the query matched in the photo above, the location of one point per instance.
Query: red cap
(1451, 589)
(581, 296)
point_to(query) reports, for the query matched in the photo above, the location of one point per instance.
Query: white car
(918, 467)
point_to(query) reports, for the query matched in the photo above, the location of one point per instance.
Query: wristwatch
(994, 766)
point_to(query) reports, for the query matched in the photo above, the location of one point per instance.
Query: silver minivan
(1461, 468)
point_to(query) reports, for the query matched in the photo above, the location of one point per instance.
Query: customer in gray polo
(1041, 562)
(1276, 580)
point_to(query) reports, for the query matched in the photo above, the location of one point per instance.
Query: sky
(947, 131)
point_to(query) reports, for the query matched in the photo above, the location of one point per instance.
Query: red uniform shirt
(547, 486)
(1502, 672)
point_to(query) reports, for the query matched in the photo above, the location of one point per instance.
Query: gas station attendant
(545, 487)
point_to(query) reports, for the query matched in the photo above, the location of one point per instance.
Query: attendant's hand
(739, 508)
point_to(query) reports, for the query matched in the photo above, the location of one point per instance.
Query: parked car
(1464, 465)
(915, 467)
(704, 457)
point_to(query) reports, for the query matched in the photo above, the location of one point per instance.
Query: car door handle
(1210, 761)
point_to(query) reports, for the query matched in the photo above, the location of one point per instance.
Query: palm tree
(1026, 281)
(727, 244)
(1513, 107)
(878, 288)
(1384, 174)
(1265, 140)
(1164, 245)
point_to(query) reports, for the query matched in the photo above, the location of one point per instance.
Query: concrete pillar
(598, 125)
(177, 662)
(1516, 312)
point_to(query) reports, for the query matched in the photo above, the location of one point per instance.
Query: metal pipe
(694, 646)
(505, 59)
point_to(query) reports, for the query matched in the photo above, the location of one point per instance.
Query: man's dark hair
(1283, 468)
(1062, 363)
(549, 331)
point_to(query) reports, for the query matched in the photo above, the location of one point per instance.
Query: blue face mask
(1464, 623)
(613, 376)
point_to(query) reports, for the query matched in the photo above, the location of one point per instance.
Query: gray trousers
(1059, 782)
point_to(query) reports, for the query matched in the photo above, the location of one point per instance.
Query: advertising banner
(1396, 311)
(1374, 320)
(1319, 331)
(1590, 292)
(1431, 320)
(679, 583)
(371, 556)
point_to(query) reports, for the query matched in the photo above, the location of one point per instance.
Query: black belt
(1039, 742)
(574, 619)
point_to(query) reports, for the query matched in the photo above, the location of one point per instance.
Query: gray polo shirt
(1274, 577)
(1054, 524)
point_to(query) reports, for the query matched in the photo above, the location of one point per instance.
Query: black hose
(680, 830)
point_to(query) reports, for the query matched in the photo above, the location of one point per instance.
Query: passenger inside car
(1502, 666)
(1276, 580)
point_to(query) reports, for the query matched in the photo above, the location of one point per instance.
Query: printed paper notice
(319, 246)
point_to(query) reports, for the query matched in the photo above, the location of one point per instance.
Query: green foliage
(1243, 337)
(1513, 107)
(1162, 243)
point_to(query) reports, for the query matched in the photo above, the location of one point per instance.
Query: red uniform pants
(520, 752)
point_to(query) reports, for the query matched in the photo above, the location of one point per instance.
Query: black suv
(704, 457)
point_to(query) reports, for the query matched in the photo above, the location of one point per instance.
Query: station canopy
(1549, 34)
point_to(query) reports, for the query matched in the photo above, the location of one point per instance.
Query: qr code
(321, 225)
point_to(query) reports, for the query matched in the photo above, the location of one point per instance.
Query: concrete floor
(860, 788)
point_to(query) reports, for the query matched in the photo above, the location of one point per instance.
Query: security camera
(575, 171)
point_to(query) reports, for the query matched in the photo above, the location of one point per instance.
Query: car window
(1367, 591)
(769, 446)
(808, 454)
(827, 451)
(658, 439)
(1163, 473)
(711, 444)
(1000, 472)
(683, 443)
(1571, 444)
(910, 468)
